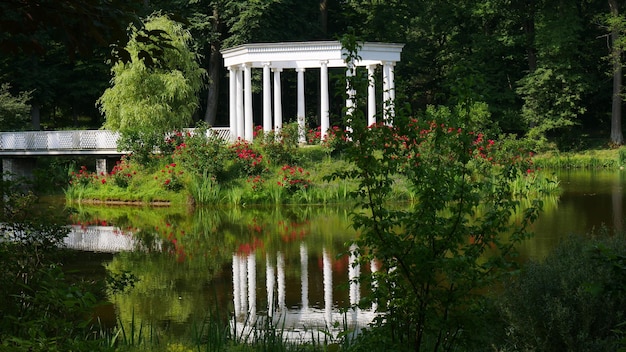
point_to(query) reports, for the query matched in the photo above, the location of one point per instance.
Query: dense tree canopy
(548, 69)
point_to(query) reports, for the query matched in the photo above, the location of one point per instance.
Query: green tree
(616, 23)
(558, 92)
(14, 110)
(159, 97)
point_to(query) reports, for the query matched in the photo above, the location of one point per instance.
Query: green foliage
(143, 143)
(203, 154)
(294, 179)
(14, 110)
(553, 101)
(280, 147)
(248, 159)
(148, 102)
(41, 310)
(436, 255)
(570, 302)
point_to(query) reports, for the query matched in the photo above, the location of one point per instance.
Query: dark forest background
(549, 70)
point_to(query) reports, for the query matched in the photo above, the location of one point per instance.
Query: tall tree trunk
(617, 138)
(214, 84)
(324, 17)
(529, 30)
(215, 65)
(35, 116)
(529, 13)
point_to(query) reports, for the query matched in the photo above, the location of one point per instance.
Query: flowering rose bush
(122, 173)
(294, 179)
(82, 177)
(171, 177)
(250, 161)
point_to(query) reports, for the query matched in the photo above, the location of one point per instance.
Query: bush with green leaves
(280, 147)
(571, 301)
(203, 153)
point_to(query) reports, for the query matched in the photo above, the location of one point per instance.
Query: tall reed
(204, 190)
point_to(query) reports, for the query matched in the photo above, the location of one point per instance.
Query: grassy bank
(595, 158)
(197, 170)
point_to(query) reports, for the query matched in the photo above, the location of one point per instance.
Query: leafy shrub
(122, 173)
(294, 178)
(143, 144)
(562, 304)
(203, 153)
(279, 147)
(435, 256)
(247, 158)
(333, 143)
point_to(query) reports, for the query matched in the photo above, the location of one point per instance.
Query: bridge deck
(80, 142)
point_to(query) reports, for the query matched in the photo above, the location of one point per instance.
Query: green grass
(588, 159)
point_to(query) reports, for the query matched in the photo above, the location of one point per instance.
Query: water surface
(282, 263)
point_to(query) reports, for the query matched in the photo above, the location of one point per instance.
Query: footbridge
(19, 150)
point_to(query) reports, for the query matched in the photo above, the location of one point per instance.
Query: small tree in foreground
(439, 254)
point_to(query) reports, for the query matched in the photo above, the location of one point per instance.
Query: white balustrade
(71, 142)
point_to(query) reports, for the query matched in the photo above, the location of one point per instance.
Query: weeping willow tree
(155, 90)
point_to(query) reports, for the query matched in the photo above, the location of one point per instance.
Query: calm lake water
(283, 263)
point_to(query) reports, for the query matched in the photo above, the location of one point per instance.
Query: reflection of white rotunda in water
(294, 319)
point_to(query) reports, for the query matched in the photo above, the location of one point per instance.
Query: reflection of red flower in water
(292, 231)
(247, 248)
(255, 227)
(338, 264)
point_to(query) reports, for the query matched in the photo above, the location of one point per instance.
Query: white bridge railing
(69, 142)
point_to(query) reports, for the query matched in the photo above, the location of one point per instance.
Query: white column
(304, 276)
(374, 269)
(280, 266)
(301, 107)
(243, 283)
(371, 95)
(239, 102)
(350, 93)
(248, 119)
(252, 286)
(236, 284)
(328, 287)
(269, 284)
(386, 92)
(267, 98)
(353, 274)
(324, 97)
(392, 92)
(232, 101)
(278, 105)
